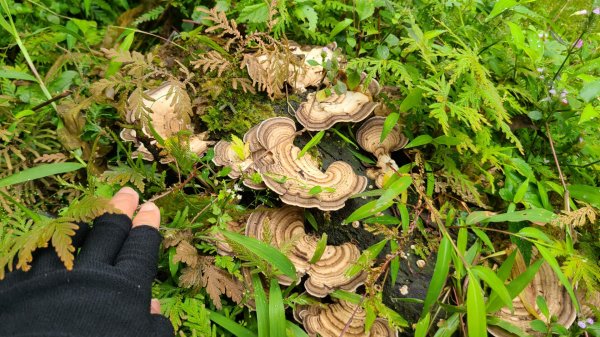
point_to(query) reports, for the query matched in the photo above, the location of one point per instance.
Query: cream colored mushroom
(545, 284)
(167, 111)
(321, 115)
(226, 156)
(294, 178)
(311, 75)
(331, 319)
(369, 136)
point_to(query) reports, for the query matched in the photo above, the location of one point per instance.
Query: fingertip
(126, 200)
(149, 214)
(155, 306)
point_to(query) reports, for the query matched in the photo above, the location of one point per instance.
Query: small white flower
(404, 290)
(552, 91)
(540, 70)
(581, 12)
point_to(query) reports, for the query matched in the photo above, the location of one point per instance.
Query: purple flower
(589, 321)
(579, 44)
(563, 93)
(596, 11)
(552, 91)
(564, 101)
(581, 324)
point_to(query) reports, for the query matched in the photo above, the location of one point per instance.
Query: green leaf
(113, 66)
(506, 266)
(395, 263)
(382, 52)
(412, 100)
(230, 325)
(588, 113)
(321, 245)
(497, 285)
(539, 326)
(346, 296)
(418, 141)
(517, 35)
(367, 210)
(446, 140)
(556, 267)
(308, 14)
(312, 143)
(589, 194)
(476, 317)
(590, 91)
(499, 7)
(38, 172)
(362, 157)
(265, 252)
(388, 125)
(262, 306)
(339, 27)
(365, 9)
(507, 326)
(534, 215)
(520, 193)
(440, 274)
(543, 306)
(294, 330)
(515, 286)
(532, 232)
(315, 190)
(277, 321)
(258, 13)
(449, 327)
(422, 326)
(16, 75)
(483, 237)
(393, 190)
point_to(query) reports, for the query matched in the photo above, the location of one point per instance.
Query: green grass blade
(321, 245)
(294, 330)
(449, 327)
(422, 326)
(262, 306)
(277, 321)
(440, 274)
(38, 172)
(556, 267)
(476, 319)
(265, 252)
(228, 324)
(312, 143)
(388, 125)
(497, 285)
(393, 190)
(515, 286)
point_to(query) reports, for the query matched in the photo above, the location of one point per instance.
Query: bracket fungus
(286, 231)
(341, 316)
(352, 106)
(225, 155)
(165, 110)
(294, 177)
(369, 138)
(546, 284)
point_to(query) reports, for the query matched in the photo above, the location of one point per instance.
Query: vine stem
(560, 174)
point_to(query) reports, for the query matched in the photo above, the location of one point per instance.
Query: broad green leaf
(515, 286)
(367, 210)
(517, 35)
(393, 190)
(589, 113)
(228, 324)
(388, 125)
(589, 194)
(308, 14)
(365, 9)
(520, 193)
(544, 195)
(412, 100)
(113, 66)
(16, 75)
(404, 215)
(315, 190)
(534, 215)
(497, 285)
(321, 245)
(449, 327)
(590, 91)
(265, 252)
(38, 172)
(313, 142)
(362, 157)
(499, 7)
(440, 274)
(476, 317)
(258, 13)
(346, 296)
(262, 306)
(534, 233)
(422, 326)
(542, 305)
(418, 141)
(556, 267)
(382, 52)
(483, 237)
(368, 254)
(507, 326)
(539, 326)
(506, 266)
(383, 220)
(446, 140)
(294, 330)
(353, 79)
(339, 27)
(277, 321)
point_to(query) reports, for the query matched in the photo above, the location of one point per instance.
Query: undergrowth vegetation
(499, 101)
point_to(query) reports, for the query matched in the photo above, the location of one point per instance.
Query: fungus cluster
(165, 111)
(275, 157)
(369, 138)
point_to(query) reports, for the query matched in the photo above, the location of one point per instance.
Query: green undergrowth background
(499, 99)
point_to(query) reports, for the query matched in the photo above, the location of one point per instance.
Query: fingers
(110, 230)
(155, 306)
(139, 255)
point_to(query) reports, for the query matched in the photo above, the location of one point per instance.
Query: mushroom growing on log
(369, 138)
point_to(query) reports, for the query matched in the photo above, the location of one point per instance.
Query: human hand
(108, 292)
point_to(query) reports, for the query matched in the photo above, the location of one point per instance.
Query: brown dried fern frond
(576, 218)
(212, 61)
(227, 27)
(51, 158)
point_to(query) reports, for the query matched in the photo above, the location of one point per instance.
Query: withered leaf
(186, 253)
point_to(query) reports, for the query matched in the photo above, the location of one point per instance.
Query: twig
(560, 174)
(362, 299)
(52, 100)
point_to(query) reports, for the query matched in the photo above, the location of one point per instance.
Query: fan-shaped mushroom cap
(226, 156)
(545, 284)
(330, 321)
(293, 178)
(329, 273)
(309, 75)
(321, 115)
(369, 136)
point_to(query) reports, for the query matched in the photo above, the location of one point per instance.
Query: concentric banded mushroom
(292, 177)
(332, 319)
(321, 115)
(286, 232)
(226, 156)
(545, 284)
(369, 136)
(167, 109)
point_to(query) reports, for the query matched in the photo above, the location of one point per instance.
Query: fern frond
(123, 174)
(89, 208)
(150, 15)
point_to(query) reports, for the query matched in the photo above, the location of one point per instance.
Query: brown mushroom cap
(292, 177)
(329, 273)
(369, 136)
(352, 106)
(309, 75)
(330, 320)
(546, 284)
